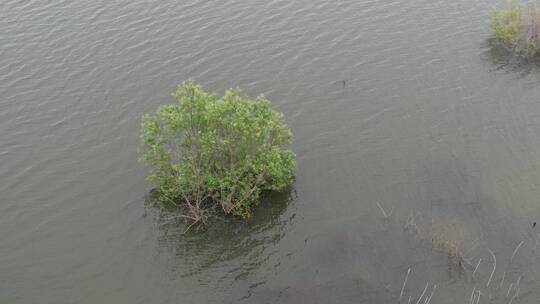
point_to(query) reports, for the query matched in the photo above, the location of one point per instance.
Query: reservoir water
(417, 140)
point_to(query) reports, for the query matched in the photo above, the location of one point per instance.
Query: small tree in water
(518, 27)
(205, 152)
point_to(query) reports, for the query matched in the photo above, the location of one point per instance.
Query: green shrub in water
(225, 152)
(518, 27)
(507, 24)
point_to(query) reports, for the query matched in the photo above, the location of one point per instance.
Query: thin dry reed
(476, 268)
(423, 292)
(494, 267)
(404, 283)
(385, 214)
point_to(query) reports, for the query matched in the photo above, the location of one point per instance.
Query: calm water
(405, 103)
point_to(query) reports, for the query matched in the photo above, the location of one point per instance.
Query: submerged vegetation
(490, 281)
(205, 152)
(518, 27)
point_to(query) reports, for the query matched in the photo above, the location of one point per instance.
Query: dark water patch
(223, 239)
(504, 58)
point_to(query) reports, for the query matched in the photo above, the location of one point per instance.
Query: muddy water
(405, 103)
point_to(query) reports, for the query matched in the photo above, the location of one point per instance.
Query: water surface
(405, 103)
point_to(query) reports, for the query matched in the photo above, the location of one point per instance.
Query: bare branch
(472, 296)
(404, 283)
(510, 263)
(515, 251)
(386, 215)
(476, 268)
(423, 292)
(431, 295)
(509, 288)
(494, 266)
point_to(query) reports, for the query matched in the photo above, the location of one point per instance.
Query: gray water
(406, 103)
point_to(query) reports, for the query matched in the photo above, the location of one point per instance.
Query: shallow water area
(407, 104)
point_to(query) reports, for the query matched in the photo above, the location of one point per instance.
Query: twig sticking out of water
(515, 251)
(472, 296)
(428, 299)
(423, 292)
(476, 268)
(516, 287)
(510, 263)
(494, 267)
(509, 288)
(404, 283)
(515, 296)
(411, 220)
(386, 215)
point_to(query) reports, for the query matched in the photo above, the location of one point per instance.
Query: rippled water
(405, 103)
